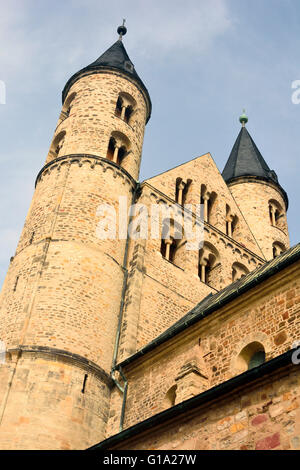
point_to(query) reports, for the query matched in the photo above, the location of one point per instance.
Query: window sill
(119, 117)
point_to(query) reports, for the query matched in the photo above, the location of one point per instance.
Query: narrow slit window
(31, 238)
(16, 283)
(84, 383)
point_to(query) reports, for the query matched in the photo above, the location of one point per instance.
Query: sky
(202, 61)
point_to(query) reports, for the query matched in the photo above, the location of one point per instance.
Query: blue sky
(202, 62)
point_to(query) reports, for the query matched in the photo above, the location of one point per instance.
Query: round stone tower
(261, 199)
(61, 298)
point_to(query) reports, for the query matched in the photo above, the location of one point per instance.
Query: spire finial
(243, 118)
(122, 30)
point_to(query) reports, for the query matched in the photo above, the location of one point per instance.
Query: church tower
(258, 194)
(61, 297)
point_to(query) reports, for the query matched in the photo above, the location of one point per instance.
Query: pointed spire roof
(115, 58)
(246, 160)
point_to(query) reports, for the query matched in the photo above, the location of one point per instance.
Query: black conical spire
(115, 58)
(245, 160)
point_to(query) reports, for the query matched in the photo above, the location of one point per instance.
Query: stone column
(116, 151)
(168, 244)
(205, 211)
(181, 187)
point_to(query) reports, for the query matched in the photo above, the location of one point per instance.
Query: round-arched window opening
(170, 397)
(257, 359)
(119, 104)
(128, 113)
(252, 355)
(121, 154)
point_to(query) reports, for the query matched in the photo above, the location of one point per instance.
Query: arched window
(128, 113)
(257, 359)
(173, 242)
(207, 198)
(231, 222)
(118, 147)
(238, 271)
(170, 397)
(57, 145)
(67, 106)
(169, 248)
(121, 154)
(278, 248)
(208, 260)
(125, 107)
(119, 105)
(252, 355)
(276, 214)
(111, 149)
(182, 188)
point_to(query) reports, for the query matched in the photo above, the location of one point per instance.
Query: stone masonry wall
(255, 207)
(203, 170)
(92, 119)
(160, 292)
(263, 416)
(268, 314)
(47, 405)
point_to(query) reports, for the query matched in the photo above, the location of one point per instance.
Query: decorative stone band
(66, 356)
(81, 158)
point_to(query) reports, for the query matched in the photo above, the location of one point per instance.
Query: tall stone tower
(258, 194)
(61, 298)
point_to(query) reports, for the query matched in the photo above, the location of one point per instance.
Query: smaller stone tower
(258, 194)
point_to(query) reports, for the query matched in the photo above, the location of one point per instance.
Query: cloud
(42, 45)
(178, 28)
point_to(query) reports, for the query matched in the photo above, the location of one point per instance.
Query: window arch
(278, 248)
(208, 199)
(173, 242)
(170, 397)
(181, 191)
(67, 106)
(128, 114)
(251, 356)
(231, 222)
(125, 107)
(119, 106)
(238, 271)
(208, 260)
(118, 147)
(57, 144)
(276, 214)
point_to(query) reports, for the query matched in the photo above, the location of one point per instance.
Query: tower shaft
(61, 297)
